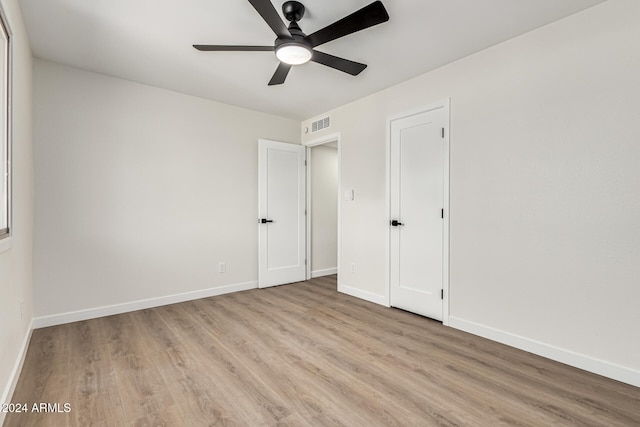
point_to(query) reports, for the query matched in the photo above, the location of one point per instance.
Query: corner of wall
(16, 305)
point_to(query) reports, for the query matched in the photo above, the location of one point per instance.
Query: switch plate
(222, 267)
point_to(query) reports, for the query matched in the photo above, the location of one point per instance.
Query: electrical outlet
(353, 267)
(222, 267)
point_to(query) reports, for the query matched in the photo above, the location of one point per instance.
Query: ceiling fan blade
(368, 16)
(223, 48)
(271, 17)
(345, 65)
(280, 75)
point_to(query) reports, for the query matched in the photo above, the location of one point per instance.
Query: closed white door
(281, 223)
(416, 213)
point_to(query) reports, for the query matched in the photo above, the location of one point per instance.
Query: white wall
(15, 261)
(140, 193)
(545, 205)
(324, 210)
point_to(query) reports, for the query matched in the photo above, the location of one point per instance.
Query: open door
(281, 213)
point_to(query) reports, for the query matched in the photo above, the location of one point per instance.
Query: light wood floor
(300, 354)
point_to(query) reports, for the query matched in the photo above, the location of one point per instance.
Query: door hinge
(443, 132)
(441, 293)
(305, 262)
(442, 213)
(305, 163)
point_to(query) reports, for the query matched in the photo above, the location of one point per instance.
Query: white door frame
(334, 137)
(445, 105)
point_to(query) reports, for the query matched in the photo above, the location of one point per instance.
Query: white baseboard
(92, 313)
(7, 393)
(325, 272)
(568, 357)
(367, 296)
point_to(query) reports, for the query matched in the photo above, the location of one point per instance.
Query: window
(5, 133)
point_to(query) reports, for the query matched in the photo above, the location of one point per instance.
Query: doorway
(323, 206)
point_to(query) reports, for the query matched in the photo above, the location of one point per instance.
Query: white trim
(445, 105)
(447, 224)
(568, 357)
(367, 296)
(92, 313)
(7, 394)
(9, 124)
(325, 272)
(308, 214)
(387, 204)
(326, 139)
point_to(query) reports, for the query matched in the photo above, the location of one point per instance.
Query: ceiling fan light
(293, 53)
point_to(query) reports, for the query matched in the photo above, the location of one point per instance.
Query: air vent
(320, 124)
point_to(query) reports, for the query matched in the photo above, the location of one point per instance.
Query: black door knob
(395, 222)
(264, 220)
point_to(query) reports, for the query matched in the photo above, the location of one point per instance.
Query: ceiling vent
(320, 124)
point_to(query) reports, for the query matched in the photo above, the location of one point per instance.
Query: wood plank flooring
(300, 355)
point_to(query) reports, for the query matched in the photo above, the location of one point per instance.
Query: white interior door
(416, 213)
(281, 205)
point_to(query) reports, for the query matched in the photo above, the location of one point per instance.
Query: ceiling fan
(293, 47)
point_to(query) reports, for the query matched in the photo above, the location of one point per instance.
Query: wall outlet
(222, 267)
(352, 267)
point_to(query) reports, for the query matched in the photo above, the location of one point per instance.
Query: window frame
(5, 124)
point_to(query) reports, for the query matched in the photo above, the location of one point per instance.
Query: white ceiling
(149, 41)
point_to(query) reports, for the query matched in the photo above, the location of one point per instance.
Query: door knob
(395, 223)
(264, 220)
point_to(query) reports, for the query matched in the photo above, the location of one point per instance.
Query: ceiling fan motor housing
(297, 37)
